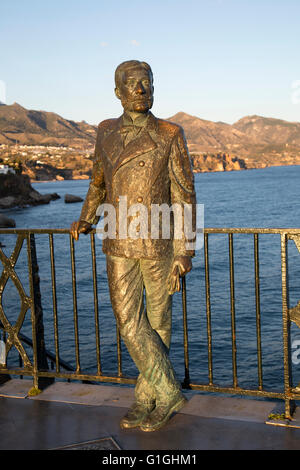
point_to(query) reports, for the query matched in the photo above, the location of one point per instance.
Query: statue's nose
(140, 89)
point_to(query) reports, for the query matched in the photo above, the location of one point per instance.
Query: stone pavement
(73, 413)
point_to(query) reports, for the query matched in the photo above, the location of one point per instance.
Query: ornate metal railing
(37, 366)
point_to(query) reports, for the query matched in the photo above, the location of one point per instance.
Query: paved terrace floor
(72, 413)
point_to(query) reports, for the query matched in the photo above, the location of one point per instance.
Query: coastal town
(45, 163)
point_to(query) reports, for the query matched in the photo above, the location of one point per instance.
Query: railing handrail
(250, 230)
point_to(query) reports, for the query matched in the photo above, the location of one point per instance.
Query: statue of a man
(146, 160)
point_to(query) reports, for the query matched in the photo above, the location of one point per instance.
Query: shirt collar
(139, 121)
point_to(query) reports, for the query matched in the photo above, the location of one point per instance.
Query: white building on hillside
(5, 169)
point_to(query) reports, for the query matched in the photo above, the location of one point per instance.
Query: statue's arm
(95, 196)
(182, 192)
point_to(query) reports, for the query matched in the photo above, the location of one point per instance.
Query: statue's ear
(117, 93)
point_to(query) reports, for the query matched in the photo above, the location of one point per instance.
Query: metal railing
(37, 367)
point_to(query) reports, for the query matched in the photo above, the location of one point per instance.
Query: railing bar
(75, 311)
(239, 391)
(86, 377)
(119, 352)
(72, 376)
(96, 306)
(208, 310)
(245, 230)
(33, 315)
(258, 320)
(250, 230)
(20, 364)
(286, 327)
(54, 299)
(132, 380)
(185, 335)
(232, 308)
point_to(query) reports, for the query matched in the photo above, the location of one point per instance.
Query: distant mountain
(251, 137)
(269, 131)
(22, 126)
(258, 141)
(209, 136)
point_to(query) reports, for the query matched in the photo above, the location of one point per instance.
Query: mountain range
(254, 138)
(259, 141)
(29, 127)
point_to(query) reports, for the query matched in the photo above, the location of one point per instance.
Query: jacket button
(140, 199)
(141, 163)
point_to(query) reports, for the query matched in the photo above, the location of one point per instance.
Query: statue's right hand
(80, 226)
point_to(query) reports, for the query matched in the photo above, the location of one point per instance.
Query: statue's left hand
(181, 266)
(80, 226)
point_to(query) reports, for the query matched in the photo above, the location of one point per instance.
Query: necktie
(129, 132)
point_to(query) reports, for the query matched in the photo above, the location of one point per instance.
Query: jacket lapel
(142, 144)
(113, 143)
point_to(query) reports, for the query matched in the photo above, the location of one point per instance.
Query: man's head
(134, 86)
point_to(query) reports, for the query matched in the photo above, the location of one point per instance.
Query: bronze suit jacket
(153, 168)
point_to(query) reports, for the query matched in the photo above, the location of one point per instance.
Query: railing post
(289, 405)
(75, 311)
(186, 382)
(208, 310)
(257, 308)
(96, 308)
(40, 362)
(3, 377)
(232, 310)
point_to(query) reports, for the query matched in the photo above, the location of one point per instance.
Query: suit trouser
(145, 332)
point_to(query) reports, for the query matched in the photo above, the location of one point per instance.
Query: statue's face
(136, 90)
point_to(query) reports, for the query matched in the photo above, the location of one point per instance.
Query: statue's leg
(158, 300)
(158, 308)
(142, 341)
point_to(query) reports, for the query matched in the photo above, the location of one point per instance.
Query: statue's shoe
(136, 414)
(162, 413)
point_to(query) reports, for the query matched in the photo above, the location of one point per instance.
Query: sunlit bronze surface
(145, 159)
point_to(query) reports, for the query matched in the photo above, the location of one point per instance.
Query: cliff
(16, 190)
(220, 162)
(77, 168)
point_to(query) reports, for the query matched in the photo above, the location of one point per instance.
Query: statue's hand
(181, 266)
(184, 264)
(80, 226)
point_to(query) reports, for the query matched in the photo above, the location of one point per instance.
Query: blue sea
(254, 198)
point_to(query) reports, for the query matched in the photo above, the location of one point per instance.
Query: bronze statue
(145, 159)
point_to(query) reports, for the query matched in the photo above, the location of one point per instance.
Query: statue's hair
(120, 70)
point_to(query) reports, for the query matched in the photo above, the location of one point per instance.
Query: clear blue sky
(216, 59)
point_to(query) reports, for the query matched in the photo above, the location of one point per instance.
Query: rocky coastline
(16, 191)
(205, 163)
